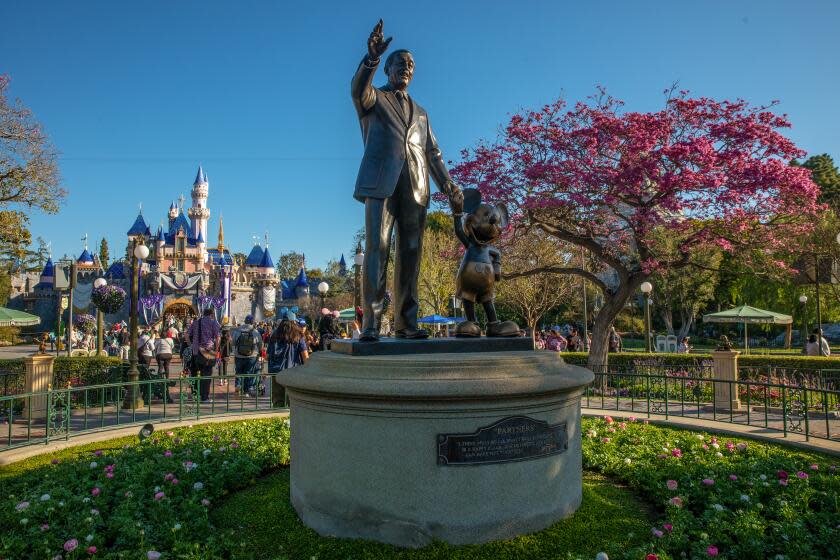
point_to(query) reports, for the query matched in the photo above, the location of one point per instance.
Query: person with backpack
(204, 335)
(286, 349)
(224, 355)
(164, 348)
(247, 344)
(146, 348)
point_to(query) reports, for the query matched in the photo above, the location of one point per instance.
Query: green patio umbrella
(347, 315)
(748, 315)
(15, 318)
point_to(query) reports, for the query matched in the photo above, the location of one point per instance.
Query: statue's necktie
(403, 98)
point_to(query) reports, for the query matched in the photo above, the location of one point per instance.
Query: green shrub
(632, 359)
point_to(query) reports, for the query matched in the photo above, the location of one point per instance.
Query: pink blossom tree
(699, 173)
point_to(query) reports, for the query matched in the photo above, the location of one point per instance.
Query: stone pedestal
(39, 377)
(460, 447)
(726, 369)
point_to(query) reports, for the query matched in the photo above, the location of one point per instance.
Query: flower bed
(710, 497)
(721, 497)
(147, 498)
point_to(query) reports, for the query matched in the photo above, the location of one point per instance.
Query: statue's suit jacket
(393, 141)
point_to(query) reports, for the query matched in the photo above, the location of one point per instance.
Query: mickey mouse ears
(472, 199)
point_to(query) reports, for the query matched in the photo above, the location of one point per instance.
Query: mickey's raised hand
(377, 44)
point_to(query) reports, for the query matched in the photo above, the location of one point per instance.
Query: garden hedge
(630, 359)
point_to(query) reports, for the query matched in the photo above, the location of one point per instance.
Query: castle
(181, 276)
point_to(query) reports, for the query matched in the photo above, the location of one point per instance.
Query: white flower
(759, 505)
(177, 526)
(86, 499)
(206, 452)
(602, 556)
(766, 484)
(153, 554)
(718, 507)
(93, 464)
(157, 488)
(783, 503)
(718, 454)
(198, 486)
(45, 497)
(745, 498)
(224, 463)
(89, 519)
(627, 461)
(89, 538)
(61, 503)
(699, 436)
(716, 445)
(762, 476)
(24, 521)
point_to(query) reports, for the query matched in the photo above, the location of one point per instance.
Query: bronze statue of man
(393, 182)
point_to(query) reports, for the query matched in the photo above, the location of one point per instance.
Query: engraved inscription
(515, 438)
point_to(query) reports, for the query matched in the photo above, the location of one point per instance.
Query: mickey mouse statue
(481, 267)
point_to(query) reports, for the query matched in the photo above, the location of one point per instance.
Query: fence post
(725, 374)
(39, 377)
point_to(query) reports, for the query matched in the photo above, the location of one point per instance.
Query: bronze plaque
(515, 438)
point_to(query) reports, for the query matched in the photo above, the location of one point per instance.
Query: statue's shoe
(468, 329)
(412, 333)
(502, 328)
(369, 335)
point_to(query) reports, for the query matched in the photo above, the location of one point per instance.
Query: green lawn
(264, 522)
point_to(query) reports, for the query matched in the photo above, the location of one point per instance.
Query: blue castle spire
(200, 177)
(49, 269)
(139, 227)
(255, 257)
(266, 261)
(302, 281)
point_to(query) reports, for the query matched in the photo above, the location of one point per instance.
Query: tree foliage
(28, 168)
(825, 174)
(714, 174)
(288, 264)
(104, 256)
(439, 262)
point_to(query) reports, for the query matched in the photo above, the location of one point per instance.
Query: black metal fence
(782, 400)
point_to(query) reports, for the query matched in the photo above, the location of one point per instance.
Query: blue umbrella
(435, 320)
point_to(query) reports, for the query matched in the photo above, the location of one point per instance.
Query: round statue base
(463, 448)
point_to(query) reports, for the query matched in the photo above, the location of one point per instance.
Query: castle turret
(47, 279)
(173, 212)
(199, 213)
(302, 284)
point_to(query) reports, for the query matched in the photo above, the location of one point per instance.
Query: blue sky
(136, 94)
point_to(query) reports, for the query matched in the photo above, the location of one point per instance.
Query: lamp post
(358, 260)
(803, 299)
(323, 288)
(100, 323)
(647, 288)
(133, 398)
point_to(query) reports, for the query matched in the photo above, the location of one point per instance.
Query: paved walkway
(12, 352)
(21, 453)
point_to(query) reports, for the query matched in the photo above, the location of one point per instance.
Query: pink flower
(170, 434)
(22, 506)
(708, 481)
(714, 440)
(645, 422)
(205, 502)
(730, 446)
(651, 557)
(668, 527)
(109, 475)
(608, 419)
(153, 555)
(742, 446)
(632, 418)
(657, 533)
(611, 430)
(159, 496)
(98, 452)
(167, 453)
(672, 485)
(705, 447)
(71, 545)
(174, 481)
(676, 501)
(783, 482)
(782, 474)
(814, 467)
(234, 445)
(675, 452)
(623, 425)
(661, 456)
(169, 476)
(45, 527)
(91, 550)
(216, 438)
(733, 477)
(95, 491)
(605, 440)
(54, 461)
(176, 441)
(802, 475)
(712, 551)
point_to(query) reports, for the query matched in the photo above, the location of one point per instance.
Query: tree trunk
(667, 318)
(686, 326)
(613, 304)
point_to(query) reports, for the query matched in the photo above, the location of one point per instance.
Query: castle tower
(199, 213)
(221, 245)
(173, 212)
